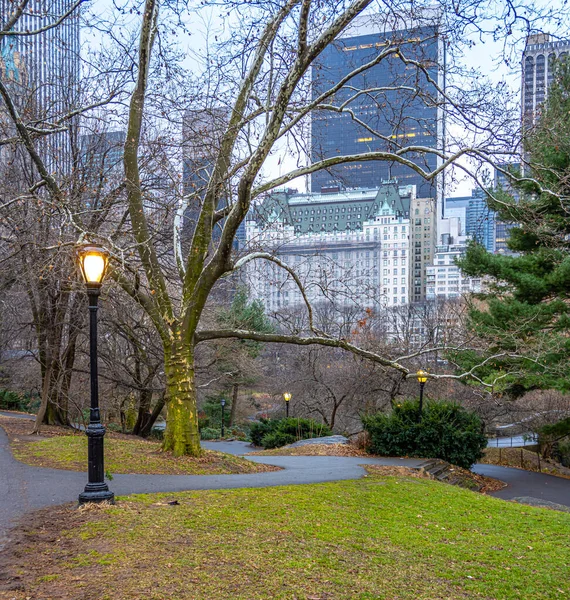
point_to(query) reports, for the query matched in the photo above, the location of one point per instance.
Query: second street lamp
(422, 377)
(223, 403)
(287, 398)
(93, 261)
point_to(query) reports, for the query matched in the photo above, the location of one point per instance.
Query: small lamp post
(287, 398)
(93, 262)
(223, 403)
(422, 377)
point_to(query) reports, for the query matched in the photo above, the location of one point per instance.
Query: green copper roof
(339, 211)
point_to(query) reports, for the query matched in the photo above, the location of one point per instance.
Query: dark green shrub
(277, 439)
(209, 433)
(10, 400)
(446, 430)
(211, 412)
(563, 453)
(261, 428)
(554, 440)
(280, 432)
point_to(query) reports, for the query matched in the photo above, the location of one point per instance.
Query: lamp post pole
(223, 403)
(96, 489)
(422, 377)
(287, 398)
(422, 384)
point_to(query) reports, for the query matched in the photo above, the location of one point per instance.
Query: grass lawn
(123, 454)
(375, 538)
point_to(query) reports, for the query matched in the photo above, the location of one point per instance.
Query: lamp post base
(97, 492)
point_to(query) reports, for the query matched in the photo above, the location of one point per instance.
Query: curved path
(24, 488)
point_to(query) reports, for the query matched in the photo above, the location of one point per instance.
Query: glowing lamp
(93, 261)
(422, 376)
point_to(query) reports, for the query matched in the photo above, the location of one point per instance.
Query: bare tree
(261, 74)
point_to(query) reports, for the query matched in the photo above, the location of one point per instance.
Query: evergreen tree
(237, 357)
(524, 320)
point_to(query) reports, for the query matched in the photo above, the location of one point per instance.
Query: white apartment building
(349, 248)
(444, 278)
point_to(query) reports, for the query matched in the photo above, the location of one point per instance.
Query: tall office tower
(43, 70)
(202, 131)
(399, 109)
(456, 208)
(502, 229)
(481, 222)
(101, 160)
(538, 62)
(476, 220)
(423, 237)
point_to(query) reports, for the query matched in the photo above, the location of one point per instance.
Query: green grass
(128, 456)
(376, 538)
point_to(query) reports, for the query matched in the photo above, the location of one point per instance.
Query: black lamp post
(287, 398)
(422, 377)
(223, 403)
(93, 262)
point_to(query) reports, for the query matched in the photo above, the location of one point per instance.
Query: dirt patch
(39, 534)
(462, 477)
(314, 450)
(22, 429)
(392, 471)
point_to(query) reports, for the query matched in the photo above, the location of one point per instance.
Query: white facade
(363, 264)
(444, 278)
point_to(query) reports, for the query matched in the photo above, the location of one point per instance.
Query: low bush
(238, 432)
(209, 433)
(280, 432)
(277, 439)
(554, 441)
(445, 430)
(260, 429)
(10, 400)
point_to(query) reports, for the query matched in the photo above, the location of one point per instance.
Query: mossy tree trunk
(181, 435)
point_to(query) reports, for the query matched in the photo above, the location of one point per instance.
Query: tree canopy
(524, 319)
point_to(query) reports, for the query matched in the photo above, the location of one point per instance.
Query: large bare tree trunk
(181, 435)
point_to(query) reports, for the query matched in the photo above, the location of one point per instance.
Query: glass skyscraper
(480, 222)
(398, 108)
(42, 69)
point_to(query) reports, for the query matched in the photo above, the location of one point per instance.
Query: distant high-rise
(102, 153)
(477, 221)
(202, 131)
(43, 68)
(399, 109)
(538, 66)
(502, 182)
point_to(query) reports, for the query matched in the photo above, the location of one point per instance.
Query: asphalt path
(527, 483)
(24, 488)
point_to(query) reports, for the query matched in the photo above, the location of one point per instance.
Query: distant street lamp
(93, 262)
(422, 377)
(223, 403)
(287, 398)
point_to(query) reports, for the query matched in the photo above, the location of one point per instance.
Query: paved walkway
(24, 488)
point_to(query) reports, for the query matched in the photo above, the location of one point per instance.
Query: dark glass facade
(402, 117)
(502, 229)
